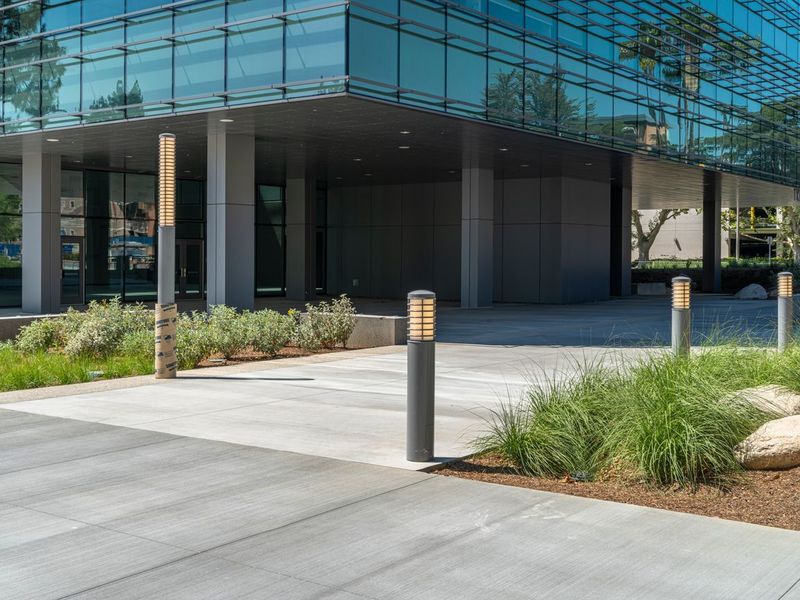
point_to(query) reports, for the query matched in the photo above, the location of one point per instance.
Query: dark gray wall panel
(521, 262)
(417, 266)
(385, 262)
(447, 262)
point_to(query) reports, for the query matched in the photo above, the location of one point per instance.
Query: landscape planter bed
(770, 498)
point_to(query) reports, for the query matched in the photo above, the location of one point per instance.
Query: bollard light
(421, 349)
(785, 310)
(166, 319)
(681, 315)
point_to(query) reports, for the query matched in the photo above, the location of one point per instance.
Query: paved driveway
(96, 511)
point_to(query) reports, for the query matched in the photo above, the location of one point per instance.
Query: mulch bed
(762, 497)
(250, 356)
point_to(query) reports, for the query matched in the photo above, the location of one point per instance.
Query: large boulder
(773, 399)
(753, 291)
(774, 445)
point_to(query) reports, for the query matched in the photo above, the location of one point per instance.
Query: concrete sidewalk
(349, 406)
(102, 512)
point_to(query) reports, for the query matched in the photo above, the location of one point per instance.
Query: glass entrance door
(189, 269)
(72, 261)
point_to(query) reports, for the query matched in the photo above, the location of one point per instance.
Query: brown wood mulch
(249, 356)
(762, 497)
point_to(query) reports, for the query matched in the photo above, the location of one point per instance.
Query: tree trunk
(796, 254)
(644, 252)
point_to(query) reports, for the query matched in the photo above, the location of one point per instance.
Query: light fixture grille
(166, 180)
(681, 292)
(785, 286)
(421, 319)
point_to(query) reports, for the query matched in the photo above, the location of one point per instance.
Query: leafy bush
(327, 324)
(268, 331)
(227, 331)
(193, 342)
(99, 330)
(137, 343)
(41, 335)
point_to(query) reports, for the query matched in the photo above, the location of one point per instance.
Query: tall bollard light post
(166, 309)
(785, 310)
(421, 375)
(681, 316)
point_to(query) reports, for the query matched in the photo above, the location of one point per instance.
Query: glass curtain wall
(713, 82)
(10, 235)
(270, 219)
(75, 61)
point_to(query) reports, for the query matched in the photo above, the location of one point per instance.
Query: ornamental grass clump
(559, 425)
(663, 419)
(676, 422)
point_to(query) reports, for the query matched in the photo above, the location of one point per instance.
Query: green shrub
(305, 334)
(227, 331)
(268, 331)
(138, 343)
(41, 335)
(99, 331)
(331, 323)
(193, 342)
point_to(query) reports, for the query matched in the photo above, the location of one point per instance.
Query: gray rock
(753, 291)
(774, 445)
(773, 398)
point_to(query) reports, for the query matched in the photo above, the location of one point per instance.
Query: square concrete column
(620, 226)
(712, 231)
(477, 235)
(41, 232)
(301, 238)
(231, 217)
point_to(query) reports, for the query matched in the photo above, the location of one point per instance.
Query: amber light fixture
(681, 293)
(166, 180)
(421, 316)
(785, 284)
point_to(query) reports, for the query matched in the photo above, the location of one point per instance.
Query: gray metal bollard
(421, 375)
(166, 318)
(785, 310)
(681, 316)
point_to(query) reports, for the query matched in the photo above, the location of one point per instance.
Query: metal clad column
(421, 375)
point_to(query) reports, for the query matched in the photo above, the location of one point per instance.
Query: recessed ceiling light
(76, 161)
(226, 120)
(357, 160)
(404, 147)
(338, 178)
(452, 171)
(187, 171)
(128, 156)
(367, 174)
(53, 140)
(404, 132)
(503, 149)
(524, 166)
(587, 164)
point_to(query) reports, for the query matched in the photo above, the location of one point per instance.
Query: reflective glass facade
(711, 82)
(78, 61)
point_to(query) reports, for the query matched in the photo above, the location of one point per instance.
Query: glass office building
(393, 143)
